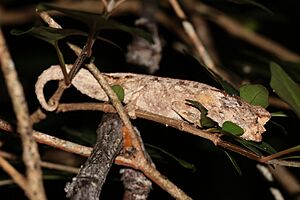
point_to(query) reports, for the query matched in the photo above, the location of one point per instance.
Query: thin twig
(44, 164)
(6, 182)
(198, 44)
(112, 5)
(31, 155)
(60, 167)
(18, 178)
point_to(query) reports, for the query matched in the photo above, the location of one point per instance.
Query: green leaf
(119, 92)
(234, 163)
(95, 21)
(52, 36)
(205, 121)
(256, 146)
(232, 128)
(263, 146)
(180, 161)
(249, 146)
(48, 34)
(255, 94)
(285, 87)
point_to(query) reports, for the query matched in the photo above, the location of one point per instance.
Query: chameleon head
(254, 131)
(222, 107)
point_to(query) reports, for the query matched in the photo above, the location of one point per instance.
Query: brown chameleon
(167, 97)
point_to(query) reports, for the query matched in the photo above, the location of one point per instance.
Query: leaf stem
(62, 63)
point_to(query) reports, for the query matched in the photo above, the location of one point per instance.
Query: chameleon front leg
(187, 112)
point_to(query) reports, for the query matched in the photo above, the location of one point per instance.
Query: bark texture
(89, 181)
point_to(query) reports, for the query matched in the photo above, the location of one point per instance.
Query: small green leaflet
(255, 147)
(232, 128)
(285, 87)
(205, 121)
(255, 95)
(119, 92)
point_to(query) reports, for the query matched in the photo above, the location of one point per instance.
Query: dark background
(214, 177)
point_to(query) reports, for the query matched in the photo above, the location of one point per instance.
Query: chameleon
(166, 97)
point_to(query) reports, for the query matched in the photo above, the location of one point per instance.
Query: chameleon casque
(166, 97)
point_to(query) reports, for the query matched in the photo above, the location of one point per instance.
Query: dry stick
(233, 27)
(31, 155)
(59, 167)
(203, 30)
(198, 44)
(49, 20)
(6, 182)
(18, 178)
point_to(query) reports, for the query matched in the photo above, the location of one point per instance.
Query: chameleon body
(167, 97)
